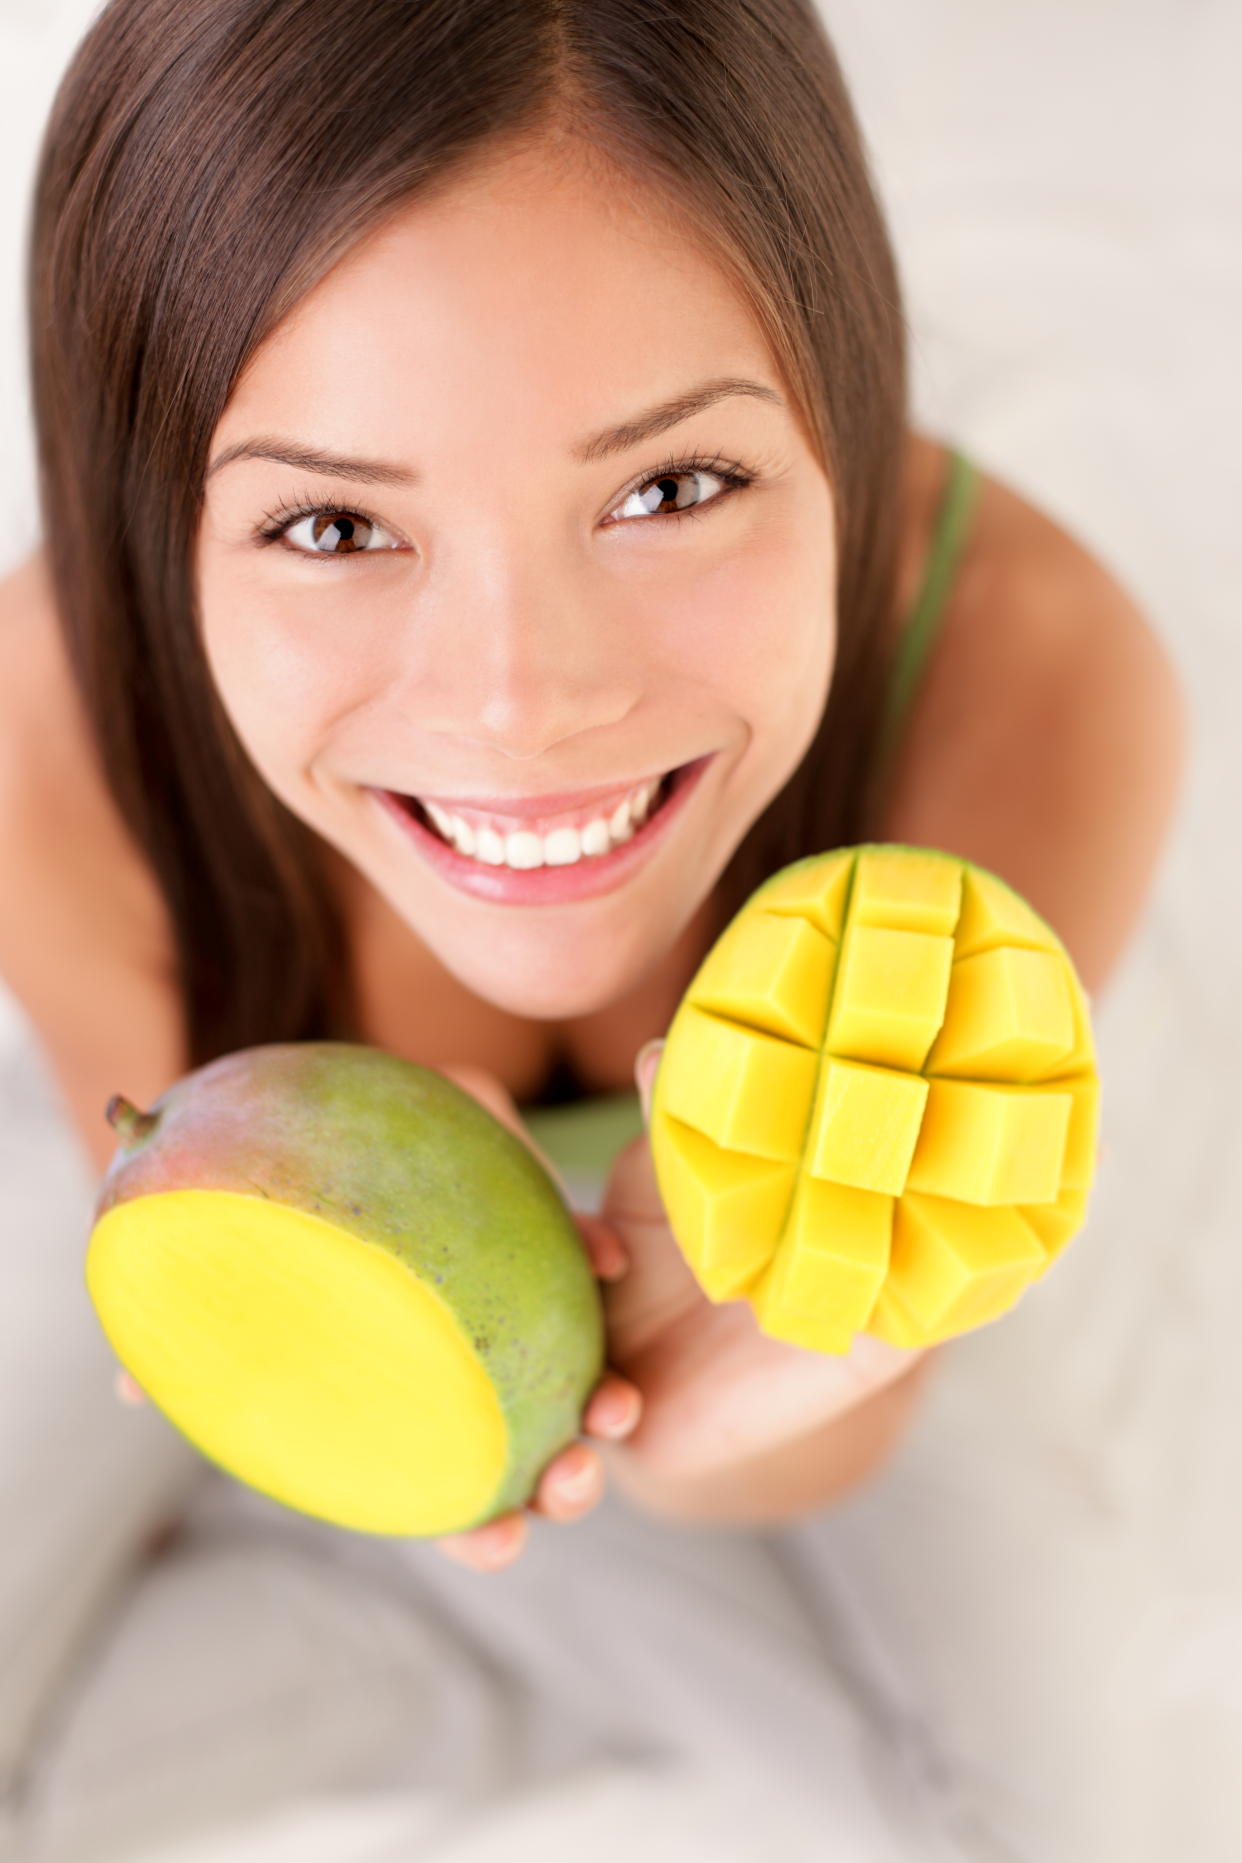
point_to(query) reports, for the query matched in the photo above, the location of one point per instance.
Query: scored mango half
(877, 1105)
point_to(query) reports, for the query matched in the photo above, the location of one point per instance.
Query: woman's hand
(692, 1388)
(716, 1391)
(573, 1481)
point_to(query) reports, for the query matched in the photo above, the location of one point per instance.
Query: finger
(571, 1485)
(487, 1548)
(609, 1256)
(487, 1090)
(614, 1409)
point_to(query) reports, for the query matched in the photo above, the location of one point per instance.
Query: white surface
(1033, 1619)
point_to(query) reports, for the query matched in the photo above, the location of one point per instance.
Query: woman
(590, 338)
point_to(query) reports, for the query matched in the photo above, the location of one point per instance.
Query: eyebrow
(616, 439)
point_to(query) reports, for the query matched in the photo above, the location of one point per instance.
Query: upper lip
(529, 808)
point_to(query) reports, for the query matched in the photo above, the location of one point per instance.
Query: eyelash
(735, 477)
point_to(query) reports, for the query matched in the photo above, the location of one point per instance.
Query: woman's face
(506, 612)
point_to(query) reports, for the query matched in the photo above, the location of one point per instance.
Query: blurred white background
(1046, 1586)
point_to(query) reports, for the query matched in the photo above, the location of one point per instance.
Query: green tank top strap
(952, 521)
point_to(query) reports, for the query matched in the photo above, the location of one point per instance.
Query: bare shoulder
(60, 817)
(1049, 733)
(84, 944)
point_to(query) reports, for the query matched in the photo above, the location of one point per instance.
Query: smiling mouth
(669, 783)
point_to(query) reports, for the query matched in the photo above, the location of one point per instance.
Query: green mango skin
(401, 1156)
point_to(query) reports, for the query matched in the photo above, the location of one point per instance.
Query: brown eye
(351, 533)
(658, 494)
(659, 497)
(328, 532)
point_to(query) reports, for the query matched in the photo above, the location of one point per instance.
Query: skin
(519, 621)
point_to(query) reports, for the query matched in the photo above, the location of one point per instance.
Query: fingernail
(504, 1541)
(574, 1486)
(618, 1419)
(646, 1062)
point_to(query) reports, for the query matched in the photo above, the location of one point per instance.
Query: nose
(517, 662)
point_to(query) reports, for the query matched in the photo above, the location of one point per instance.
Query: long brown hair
(205, 163)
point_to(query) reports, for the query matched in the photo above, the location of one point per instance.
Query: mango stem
(126, 1119)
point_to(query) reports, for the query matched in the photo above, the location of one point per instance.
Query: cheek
(763, 625)
(277, 688)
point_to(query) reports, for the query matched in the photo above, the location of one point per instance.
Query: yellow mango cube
(1008, 1016)
(728, 1205)
(773, 973)
(985, 1142)
(739, 1086)
(952, 1261)
(908, 888)
(830, 1264)
(815, 889)
(865, 1126)
(890, 995)
(993, 914)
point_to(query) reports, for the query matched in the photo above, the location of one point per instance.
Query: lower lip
(545, 886)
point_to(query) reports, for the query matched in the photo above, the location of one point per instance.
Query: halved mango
(347, 1284)
(878, 1103)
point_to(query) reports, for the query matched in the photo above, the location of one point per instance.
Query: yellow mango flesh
(349, 1286)
(301, 1358)
(877, 1105)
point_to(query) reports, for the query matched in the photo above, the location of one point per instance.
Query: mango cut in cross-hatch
(877, 1105)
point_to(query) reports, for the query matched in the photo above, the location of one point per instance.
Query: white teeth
(562, 848)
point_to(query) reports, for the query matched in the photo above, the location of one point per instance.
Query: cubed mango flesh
(878, 1102)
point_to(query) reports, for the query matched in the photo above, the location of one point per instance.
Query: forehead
(534, 290)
